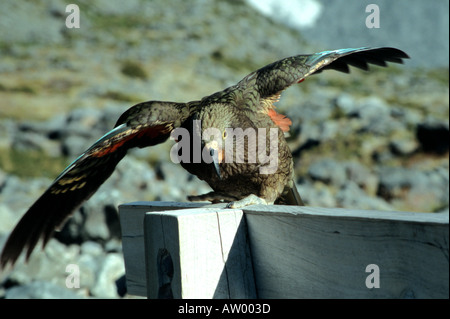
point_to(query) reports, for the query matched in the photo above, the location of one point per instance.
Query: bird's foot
(213, 197)
(247, 201)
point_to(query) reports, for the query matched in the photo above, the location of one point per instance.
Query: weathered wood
(198, 253)
(306, 252)
(297, 252)
(132, 226)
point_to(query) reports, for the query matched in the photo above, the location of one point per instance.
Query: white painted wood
(311, 252)
(205, 254)
(132, 227)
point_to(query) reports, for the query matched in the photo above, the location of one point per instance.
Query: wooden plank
(198, 253)
(132, 221)
(306, 252)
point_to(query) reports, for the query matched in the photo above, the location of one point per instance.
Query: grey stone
(346, 104)
(40, 26)
(31, 141)
(328, 171)
(353, 197)
(40, 290)
(404, 146)
(422, 190)
(7, 129)
(433, 136)
(112, 268)
(362, 176)
(316, 195)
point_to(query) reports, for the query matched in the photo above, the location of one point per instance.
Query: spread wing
(275, 77)
(267, 83)
(144, 124)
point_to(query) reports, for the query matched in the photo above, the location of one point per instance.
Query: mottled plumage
(241, 180)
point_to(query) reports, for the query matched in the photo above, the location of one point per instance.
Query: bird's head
(212, 126)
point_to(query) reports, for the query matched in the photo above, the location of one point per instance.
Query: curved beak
(216, 155)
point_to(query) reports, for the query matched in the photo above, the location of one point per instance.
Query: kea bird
(233, 139)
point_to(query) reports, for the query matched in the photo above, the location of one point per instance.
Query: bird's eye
(224, 134)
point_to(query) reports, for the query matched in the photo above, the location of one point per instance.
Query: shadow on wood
(283, 252)
(324, 253)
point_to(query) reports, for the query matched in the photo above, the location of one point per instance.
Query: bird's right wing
(144, 124)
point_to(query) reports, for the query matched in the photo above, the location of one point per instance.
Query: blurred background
(368, 140)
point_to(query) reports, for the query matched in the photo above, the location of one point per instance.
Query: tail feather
(291, 196)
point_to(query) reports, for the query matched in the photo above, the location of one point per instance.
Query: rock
(91, 248)
(374, 113)
(373, 107)
(362, 176)
(409, 117)
(415, 190)
(89, 264)
(74, 145)
(82, 121)
(328, 171)
(111, 270)
(8, 218)
(316, 194)
(7, 129)
(403, 146)
(174, 176)
(313, 134)
(338, 174)
(95, 226)
(375, 116)
(40, 290)
(352, 197)
(433, 136)
(315, 109)
(96, 220)
(46, 266)
(350, 179)
(40, 27)
(19, 193)
(29, 141)
(346, 104)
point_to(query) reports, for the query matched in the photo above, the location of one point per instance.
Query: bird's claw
(213, 197)
(248, 201)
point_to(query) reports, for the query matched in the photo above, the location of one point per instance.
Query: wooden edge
(279, 210)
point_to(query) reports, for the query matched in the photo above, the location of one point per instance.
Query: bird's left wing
(144, 124)
(267, 83)
(275, 77)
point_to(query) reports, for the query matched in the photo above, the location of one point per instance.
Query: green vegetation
(441, 75)
(133, 70)
(31, 163)
(233, 63)
(24, 88)
(119, 96)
